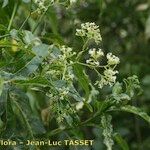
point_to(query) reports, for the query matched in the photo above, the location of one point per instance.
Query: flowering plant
(45, 83)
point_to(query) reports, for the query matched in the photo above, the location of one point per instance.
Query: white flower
(112, 59)
(41, 4)
(79, 105)
(101, 83)
(63, 92)
(73, 1)
(91, 31)
(96, 54)
(92, 62)
(67, 52)
(110, 76)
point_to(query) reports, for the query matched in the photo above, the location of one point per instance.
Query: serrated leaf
(136, 111)
(133, 110)
(117, 88)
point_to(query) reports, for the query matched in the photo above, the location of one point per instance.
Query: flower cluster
(44, 4)
(91, 31)
(59, 64)
(112, 59)
(41, 5)
(67, 52)
(73, 1)
(94, 56)
(63, 92)
(109, 74)
(109, 78)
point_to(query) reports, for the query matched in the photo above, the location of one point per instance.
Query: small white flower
(101, 83)
(79, 105)
(63, 92)
(94, 56)
(91, 31)
(112, 59)
(100, 52)
(92, 62)
(67, 52)
(73, 1)
(110, 76)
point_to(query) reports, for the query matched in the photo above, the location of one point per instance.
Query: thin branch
(12, 17)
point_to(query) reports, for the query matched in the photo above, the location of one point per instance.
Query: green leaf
(3, 100)
(136, 111)
(41, 51)
(89, 107)
(29, 38)
(73, 93)
(37, 81)
(104, 105)
(82, 79)
(5, 3)
(107, 131)
(122, 143)
(132, 85)
(133, 110)
(21, 102)
(53, 20)
(2, 27)
(10, 118)
(117, 88)
(1, 85)
(53, 38)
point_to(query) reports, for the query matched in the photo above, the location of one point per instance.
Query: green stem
(83, 49)
(64, 72)
(88, 65)
(12, 17)
(3, 36)
(39, 21)
(85, 45)
(25, 21)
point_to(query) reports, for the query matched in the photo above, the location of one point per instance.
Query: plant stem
(12, 17)
(83, 49)
(3, 36)
(40, 19)
(25, 21)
